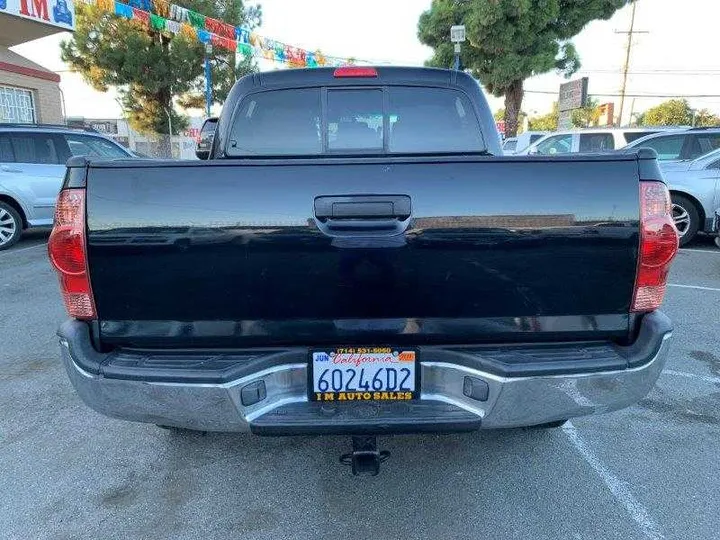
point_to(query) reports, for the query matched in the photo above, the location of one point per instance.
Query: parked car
(695, 191)
(586, 140)
(681, 145)
(512, 145)
(390, 272)
(206, 137)
(32, 166)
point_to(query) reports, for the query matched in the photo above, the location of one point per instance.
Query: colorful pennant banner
(161, 16)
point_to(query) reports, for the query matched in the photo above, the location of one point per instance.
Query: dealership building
(30, 93)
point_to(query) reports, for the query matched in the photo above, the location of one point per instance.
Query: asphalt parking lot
(651, 471)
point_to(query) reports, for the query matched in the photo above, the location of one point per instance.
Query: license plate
(364, 374)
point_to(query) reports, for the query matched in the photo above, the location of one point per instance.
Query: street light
(457, 36)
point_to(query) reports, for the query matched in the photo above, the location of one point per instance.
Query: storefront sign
(60, 13)
(573, 94)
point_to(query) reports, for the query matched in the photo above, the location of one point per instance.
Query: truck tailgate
(330, 250)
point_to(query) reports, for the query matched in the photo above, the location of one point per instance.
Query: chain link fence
(164, 147)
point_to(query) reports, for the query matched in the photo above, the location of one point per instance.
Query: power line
(652, 68)
(663, 73)
(610, 94)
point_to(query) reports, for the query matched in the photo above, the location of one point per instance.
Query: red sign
(500, 126)
(38, 9)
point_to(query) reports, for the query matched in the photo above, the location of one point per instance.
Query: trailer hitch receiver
(365, 458)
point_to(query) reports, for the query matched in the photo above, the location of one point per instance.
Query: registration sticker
(364, 374)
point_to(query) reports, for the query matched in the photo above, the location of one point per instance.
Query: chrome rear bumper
(443, 406)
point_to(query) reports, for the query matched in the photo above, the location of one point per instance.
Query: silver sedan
(695, 190)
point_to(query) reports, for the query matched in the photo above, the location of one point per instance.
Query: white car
(513, 145)
(587, 140)
(32, 168)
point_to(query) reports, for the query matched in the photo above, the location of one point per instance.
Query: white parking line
(694, 287)
(713, 251)
(23, 249)
(617, 487)
(705, 378)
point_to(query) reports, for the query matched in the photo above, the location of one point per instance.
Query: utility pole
(626, 67)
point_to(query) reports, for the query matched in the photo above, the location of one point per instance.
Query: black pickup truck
(358, 257)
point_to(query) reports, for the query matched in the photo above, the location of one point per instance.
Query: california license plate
(364, 374)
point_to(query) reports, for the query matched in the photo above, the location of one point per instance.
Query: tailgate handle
(363, 215)
(363, 207)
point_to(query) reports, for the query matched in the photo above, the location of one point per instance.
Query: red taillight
(68, 254)
(658, 246)
(355, 71)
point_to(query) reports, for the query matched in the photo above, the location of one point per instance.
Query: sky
(678, 56)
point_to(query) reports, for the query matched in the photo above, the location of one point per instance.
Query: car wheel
(686, 217)
(10, 226)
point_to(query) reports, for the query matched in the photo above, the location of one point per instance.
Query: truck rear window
(400, 120)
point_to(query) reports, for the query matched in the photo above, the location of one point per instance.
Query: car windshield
(632, 136)
(703, 143)
(667, 147)
(85, 145)
(556, 144)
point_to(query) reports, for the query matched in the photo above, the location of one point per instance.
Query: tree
(150, 68)
(511, 40)
(674, 112)
(588, 115)
(705, 118)
(546, 122)
(677, 112)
